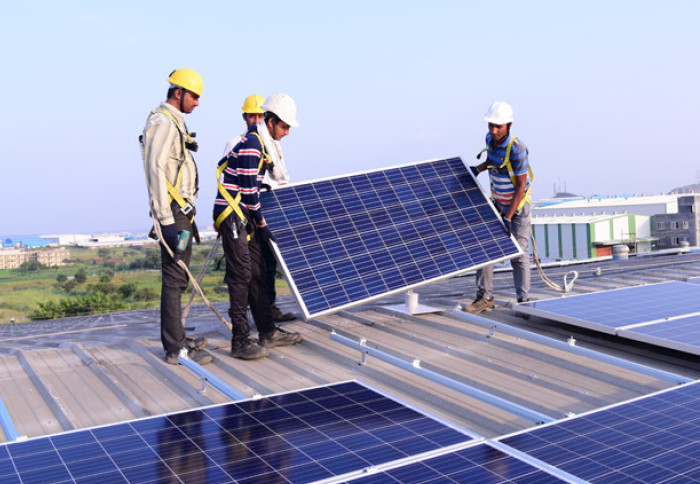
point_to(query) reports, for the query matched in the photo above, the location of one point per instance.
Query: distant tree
(80, 276)
(61, 278)
(146, 294)
(70, 285)
(103, 252)
(153, 258)
(127, 291)
(78, 306)
(106, 277)
(30, 266)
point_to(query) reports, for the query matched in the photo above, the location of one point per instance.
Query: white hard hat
(499, 113)
(284, 107)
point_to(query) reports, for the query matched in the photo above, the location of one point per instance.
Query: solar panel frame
(648, 439)
(617, 309)
(346, 241)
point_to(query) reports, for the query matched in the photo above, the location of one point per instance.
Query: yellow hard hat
(252, 104)
(187, 79)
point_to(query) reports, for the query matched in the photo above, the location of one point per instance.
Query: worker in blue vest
(252, 115)
(171, 179)
(241, 224)
(510, 176)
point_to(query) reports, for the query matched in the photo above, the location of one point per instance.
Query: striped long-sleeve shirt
(501, 185)
(242, 175)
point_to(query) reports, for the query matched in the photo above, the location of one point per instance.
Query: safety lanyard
(509, 166)
(234, 203)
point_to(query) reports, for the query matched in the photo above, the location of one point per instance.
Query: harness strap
(173, 190)
(234, 203)
(509, 167)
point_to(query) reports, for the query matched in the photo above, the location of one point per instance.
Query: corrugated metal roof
(81, 372)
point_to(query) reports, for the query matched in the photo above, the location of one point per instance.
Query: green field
(106, 271)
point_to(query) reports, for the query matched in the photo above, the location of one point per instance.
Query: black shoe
(248, 350)
(196, 343)
(279, 337)
(523, 299)
(280, 317)
(198, 356)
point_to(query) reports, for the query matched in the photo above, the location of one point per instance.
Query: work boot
(523, 299)
(480, 304)
(196, 343)
(198, 356)
(248, 350)
(279, 337)
(278, 316)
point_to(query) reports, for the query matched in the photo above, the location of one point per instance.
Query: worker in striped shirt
(243, 230)
(510, 176)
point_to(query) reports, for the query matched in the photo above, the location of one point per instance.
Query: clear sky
(605, 93)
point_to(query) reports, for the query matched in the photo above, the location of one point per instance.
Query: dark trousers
(245, 278)
(174, 283)
(270, 271)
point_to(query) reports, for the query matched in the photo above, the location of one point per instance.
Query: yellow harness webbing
(509, 166)
(234, 203)
(173, 190)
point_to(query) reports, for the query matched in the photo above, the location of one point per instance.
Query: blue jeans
(520, 227)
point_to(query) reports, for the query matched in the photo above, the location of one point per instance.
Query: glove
(474, 170)
(265, 234)
(169, 235)
(507, 224)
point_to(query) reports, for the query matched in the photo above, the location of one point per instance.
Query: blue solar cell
(610, 311)
(299, 437)
(652, 439)
(416, 223)
(681, 334)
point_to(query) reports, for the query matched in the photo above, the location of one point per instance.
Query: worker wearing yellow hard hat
(171, 179)
(244, 233)
(252, 115)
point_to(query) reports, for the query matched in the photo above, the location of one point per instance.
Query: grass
(21, 291)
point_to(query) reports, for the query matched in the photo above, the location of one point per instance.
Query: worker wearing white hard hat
(241, 224)
(253, 114)
(510, 177)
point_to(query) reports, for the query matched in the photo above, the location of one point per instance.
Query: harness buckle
(187, 209)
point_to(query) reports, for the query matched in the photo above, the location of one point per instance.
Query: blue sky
(605, 93)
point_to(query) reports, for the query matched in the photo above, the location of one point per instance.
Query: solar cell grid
(479, 463)
(653, 439)
(682, 334)
(348, 240)
(609, 311)
(299, 437)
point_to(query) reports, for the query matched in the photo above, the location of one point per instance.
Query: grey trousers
(521, 265)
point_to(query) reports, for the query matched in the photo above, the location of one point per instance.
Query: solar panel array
(348, 240)
(663, 314)
(348, 432)
(298, 437)
(654, 439)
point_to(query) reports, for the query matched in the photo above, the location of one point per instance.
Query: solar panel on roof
(651, 439)
(610, 311)
(478, 463)
(348, 240)
(297, 437)
(682, 334)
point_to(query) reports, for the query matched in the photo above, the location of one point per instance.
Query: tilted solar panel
(651, 439)
(610, 311)
(296, 437)
(348, 240)
(681, 334)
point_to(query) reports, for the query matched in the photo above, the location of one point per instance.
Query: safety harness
(173, 190)
(509, 166)
(234, 203)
